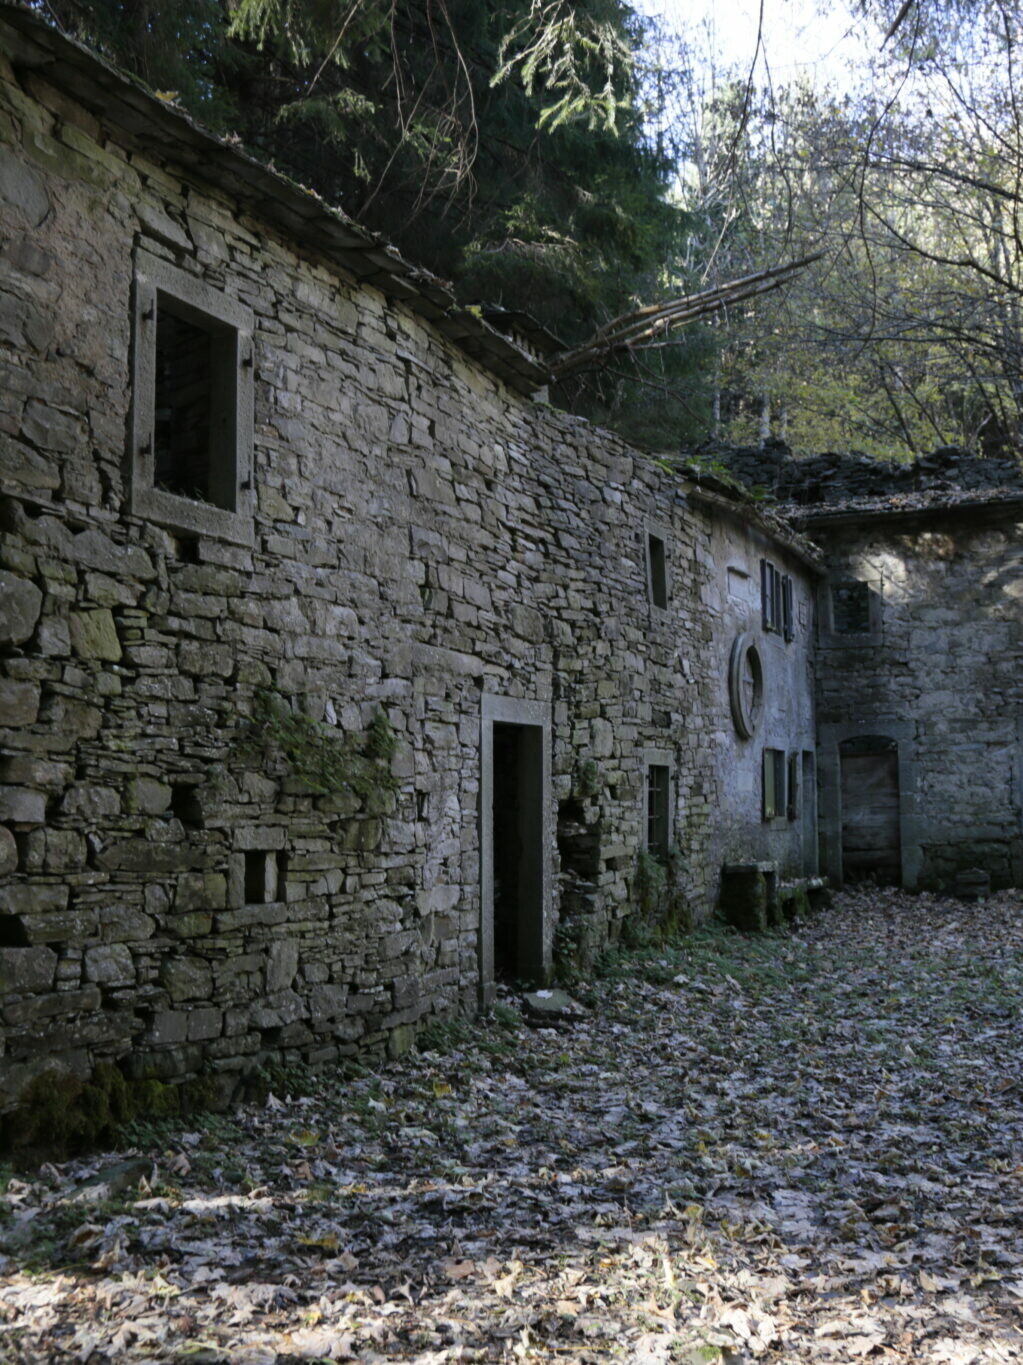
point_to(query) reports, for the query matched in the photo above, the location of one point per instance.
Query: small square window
(774, 783)
(850, 608)
(191, 429)
(656, 570)
(265, 876)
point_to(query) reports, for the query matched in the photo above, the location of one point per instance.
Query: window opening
(787, 618)
(657, 809)
(774, 783)
(183, 424)
(256, 868)
(657, 570)
(192, 391)
(770, 595)
(265, 876)
(792, 796)
(850, 608)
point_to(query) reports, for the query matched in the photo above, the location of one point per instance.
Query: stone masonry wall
(944, 674)
(420, 536)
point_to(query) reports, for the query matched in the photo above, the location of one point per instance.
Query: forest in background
(576, 161)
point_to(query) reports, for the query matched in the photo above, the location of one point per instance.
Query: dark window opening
(266, 876)
(657, 570)
(186, 806)
(774, 783)
(792, 801)
(787, 620)
(770, 596)
(850, 608)
(193, 417)
(256, 870)
(658, 785)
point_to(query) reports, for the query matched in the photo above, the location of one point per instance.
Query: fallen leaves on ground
(801, 1146)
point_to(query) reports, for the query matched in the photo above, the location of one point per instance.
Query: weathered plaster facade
(400, 531)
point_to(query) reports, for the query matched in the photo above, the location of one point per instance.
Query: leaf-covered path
(798, 1147)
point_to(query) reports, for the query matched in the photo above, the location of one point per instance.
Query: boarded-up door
(871, 844)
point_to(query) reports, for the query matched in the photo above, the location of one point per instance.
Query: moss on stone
(59, 1114)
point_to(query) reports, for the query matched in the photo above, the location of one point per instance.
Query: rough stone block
(8, 852)
(94, 635)
(22, 806)
(26, 970)
(110, 964)
(281, 966)
(204, 1024)
(277, 1010)
(187, 978)
(19, 702)
(148, 796)
(201, 891)
(90, 803)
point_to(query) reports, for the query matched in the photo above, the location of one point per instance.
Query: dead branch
(633, 330)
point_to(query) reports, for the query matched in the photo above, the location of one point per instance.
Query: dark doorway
(517, 824)
(871, 841)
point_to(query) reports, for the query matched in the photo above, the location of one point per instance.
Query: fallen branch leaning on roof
(630, 331)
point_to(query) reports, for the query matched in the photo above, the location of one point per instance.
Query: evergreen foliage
(500, 143)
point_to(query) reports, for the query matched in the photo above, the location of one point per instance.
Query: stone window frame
(875, 604)
(153, 277)
(659, 758)
(658, 574)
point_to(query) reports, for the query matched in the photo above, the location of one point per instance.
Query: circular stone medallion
(746, 685)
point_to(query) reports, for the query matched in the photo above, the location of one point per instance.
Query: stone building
(339, 678)
(920, 660)
(342, 678)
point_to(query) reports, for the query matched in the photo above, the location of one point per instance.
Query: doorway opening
(516, 821)
(871, 832)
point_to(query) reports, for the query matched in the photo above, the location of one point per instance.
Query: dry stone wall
(178, 900)
(942, 674)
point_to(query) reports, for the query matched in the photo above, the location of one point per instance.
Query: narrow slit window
(771, 595)
(658, 812)
(257, 877)
(792, 795)
(774, 783)
(657, 570)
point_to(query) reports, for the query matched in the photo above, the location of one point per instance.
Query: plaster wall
(787, 723)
